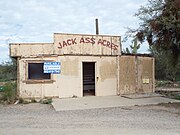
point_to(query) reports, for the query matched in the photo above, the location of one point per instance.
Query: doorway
(88, 78)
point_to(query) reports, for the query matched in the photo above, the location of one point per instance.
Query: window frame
(31, 81)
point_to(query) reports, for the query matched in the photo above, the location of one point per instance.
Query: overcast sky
(37, 20)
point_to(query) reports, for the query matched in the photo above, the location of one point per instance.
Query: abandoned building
(80, 65)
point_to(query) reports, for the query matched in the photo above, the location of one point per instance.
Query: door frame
(95, 76)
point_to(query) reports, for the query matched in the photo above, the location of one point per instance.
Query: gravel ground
(41, 119)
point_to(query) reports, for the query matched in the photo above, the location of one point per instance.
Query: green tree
(160, 26)
(8, 70)
(164, 70)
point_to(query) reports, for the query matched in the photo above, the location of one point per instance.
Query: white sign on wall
(52, 67)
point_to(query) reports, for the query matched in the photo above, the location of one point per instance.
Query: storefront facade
(88, 65)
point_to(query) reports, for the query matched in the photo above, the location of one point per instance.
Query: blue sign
(52, 67)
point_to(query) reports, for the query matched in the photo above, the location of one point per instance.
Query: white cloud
(37, 20)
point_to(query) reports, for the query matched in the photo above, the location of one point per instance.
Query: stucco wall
(69, 82)
(31, 49)
(114, 73)
(87, 44)
(75, 44)
(32, 89)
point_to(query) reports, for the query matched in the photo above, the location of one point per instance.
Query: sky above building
(23, 21)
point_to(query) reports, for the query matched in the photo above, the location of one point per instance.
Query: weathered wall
(70, 82)
(75, 44)
(136, 74)
(71, 77)
(145, 68)
(87, 44)
(127, 74)
(71, 50)
(114, 74)
(31, 49)
(34, 88)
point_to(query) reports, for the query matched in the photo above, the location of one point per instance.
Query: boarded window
(35, 71)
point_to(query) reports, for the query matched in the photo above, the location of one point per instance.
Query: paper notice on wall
(146, 81)
(52, 67)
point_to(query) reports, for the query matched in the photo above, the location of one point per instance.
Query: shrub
(9, 92)
(46, 101)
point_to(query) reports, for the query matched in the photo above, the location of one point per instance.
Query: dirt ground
(41, 119)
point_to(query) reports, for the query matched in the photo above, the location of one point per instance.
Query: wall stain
(69, 67)
(108, 70)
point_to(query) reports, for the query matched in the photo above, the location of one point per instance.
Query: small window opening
(35, 71)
